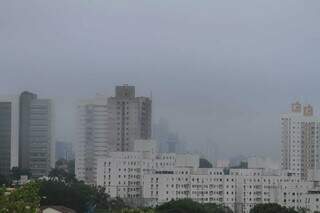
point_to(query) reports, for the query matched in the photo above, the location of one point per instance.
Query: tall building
(110, 124)
(9, 134)
(35, 134)
(300, 138)
(92, 138)
(24, 128)
(129, 118)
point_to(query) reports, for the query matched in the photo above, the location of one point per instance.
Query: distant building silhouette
(64, 150)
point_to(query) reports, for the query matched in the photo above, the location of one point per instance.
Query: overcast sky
(220, 70)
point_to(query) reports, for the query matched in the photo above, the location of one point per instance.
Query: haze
(218, 70)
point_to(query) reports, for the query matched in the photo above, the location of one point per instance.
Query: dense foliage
(271, 208)
(24, 199)
(190, 206)
(64, 189)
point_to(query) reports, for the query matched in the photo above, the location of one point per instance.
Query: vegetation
(4, 181)
(190, 206)
(17, 172)
(24, 199)
(67, 165)
(63, 188)
(271, 208)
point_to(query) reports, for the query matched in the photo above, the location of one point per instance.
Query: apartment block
(300, 140)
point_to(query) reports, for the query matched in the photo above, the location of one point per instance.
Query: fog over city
(218, 71)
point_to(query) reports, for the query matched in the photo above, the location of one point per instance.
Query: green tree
(4, 181)
(24, 199)
(75, 195)
(16, 173)
(62, 176)
(63, 188)
(271, 208)
(181, 206)
(216, 208)
(137, 211)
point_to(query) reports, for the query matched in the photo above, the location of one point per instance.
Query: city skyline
(160, 106)
(182, 143)
(211, 67)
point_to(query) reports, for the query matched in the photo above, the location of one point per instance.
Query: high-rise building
(24, 128)
(9, 134)
(35, 134)
(129, 118)
(300, 140)
(92, 138)
(110, 124)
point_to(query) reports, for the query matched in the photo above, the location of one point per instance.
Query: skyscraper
(35, 134)
(92, 138)
(129, 118)
(300, 140)
(9, 134)
(110, 124)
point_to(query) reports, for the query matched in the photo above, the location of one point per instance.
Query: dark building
(9, 119)
(24, 128)
(35, 134)
(5, 137)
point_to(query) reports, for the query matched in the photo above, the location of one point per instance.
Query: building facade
(36, 129)
(300, 138)
(110, 124)
(9, 134)
(148, 178)
(92, 138)
(129, 118)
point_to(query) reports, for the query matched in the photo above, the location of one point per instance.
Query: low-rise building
(149, 178)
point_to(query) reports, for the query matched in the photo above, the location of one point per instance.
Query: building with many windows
(36, 129)
(149, 178)
(92, 138)
(300, 140)
(9, 134)
(129, 118)
(110, 124)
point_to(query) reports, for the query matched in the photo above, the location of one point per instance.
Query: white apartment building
(300, 138)
(148, 179)
(122, 172)
(92, 138)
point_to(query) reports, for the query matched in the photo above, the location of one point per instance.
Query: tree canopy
(24, 199)
(190, 206)
(271, 208)
(63, 188)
